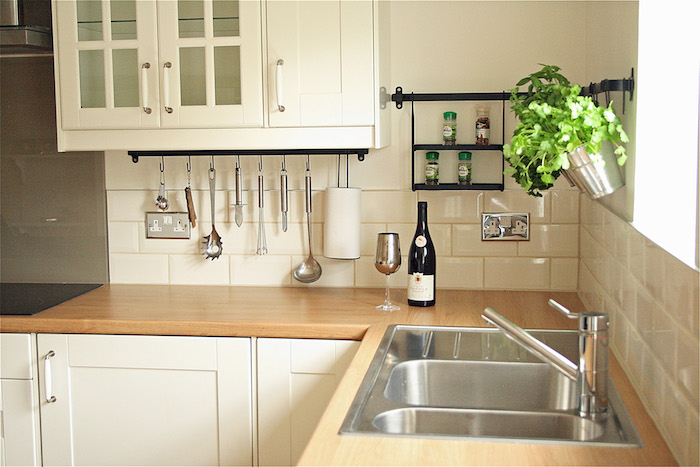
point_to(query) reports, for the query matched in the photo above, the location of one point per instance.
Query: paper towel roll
(341, 231)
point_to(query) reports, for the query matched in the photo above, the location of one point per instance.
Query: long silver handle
(239, 187)
(562, 309)
(529, 343)
(308, 191)
(48, 389)
(144, 87)
(166, 87)
(212, 193)
(284, 198)
(280, 91)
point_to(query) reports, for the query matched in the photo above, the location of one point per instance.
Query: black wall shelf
(399, 97)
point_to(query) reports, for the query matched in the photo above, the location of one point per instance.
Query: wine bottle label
(420, 286)
(421, 241)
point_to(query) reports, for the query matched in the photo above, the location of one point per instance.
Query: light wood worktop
(345, 314)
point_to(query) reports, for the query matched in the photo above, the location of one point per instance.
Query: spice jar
(449, 128)
(483, 125)
(431, 168)
(464, 168)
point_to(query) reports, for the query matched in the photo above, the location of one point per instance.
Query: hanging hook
(347, 170)
(338, 170)
(189, 170)
(162, 164)
(284, 162)
(211, 164)
(260, 164)
(238, 161)
(308, 162)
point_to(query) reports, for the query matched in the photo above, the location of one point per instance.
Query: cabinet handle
(144, 87)
(166, 86)
(48, 390)
(280, 96)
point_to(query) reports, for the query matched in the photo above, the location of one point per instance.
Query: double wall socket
(505, 226)
(167, 225)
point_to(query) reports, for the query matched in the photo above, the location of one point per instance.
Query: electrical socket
(505, 226)
(167, 225)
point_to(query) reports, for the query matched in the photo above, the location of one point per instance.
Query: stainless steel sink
(476, 383)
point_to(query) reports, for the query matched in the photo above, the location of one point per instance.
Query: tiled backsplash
(549, 261)
(652, 299)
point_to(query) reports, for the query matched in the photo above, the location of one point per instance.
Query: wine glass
(387, 261)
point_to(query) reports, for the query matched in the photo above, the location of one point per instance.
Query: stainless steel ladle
(308, 270)
(213, 243)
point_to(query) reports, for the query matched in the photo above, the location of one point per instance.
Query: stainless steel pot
(597, 175)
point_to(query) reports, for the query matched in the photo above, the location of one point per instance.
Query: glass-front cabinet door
(107, 61)
(211, 62)
(159, 63)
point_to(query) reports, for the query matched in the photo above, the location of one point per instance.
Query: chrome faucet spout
(591, 373)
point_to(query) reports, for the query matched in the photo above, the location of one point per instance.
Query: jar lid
(465, 156)
(450, 115)
(432, 155)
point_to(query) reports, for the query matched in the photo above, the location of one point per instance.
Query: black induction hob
(29, 298)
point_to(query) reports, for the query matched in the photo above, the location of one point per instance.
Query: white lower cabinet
(296, 380)
(145, 400)
(19, 407)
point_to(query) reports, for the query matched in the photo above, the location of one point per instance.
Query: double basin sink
(476, 383)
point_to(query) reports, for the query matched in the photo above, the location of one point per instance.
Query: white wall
(436, 47)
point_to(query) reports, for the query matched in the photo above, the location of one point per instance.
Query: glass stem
(386, 292)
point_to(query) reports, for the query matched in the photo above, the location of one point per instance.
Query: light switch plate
(167, 225)
(505, 226)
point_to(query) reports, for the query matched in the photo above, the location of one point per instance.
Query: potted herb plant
(560, 130)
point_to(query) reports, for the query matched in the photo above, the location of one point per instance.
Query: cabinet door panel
(142, 400)
(296, 380)
(327, 49)
(102, 46)
(19, 422)
(215, 51)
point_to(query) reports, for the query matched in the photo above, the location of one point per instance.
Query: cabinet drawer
(16, 356)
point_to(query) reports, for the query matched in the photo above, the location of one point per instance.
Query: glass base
(387, 306)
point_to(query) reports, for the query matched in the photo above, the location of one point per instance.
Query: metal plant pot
(597, 175)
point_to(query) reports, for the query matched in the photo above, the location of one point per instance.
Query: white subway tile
(654, 380)
(368, 238)
(644, 315)
(466, 241)
(390, 206)
(197, 270)
(681, 298)
(564, 274)
(635, 351)
(664, 340)
(460, 273)
(551, 240)
(336, 273)
(675, 422)
(516, 273)
(462, 207)
(619, 327)
(565, 206)
(688, 369)
(130, 205)
(138, 269)
(123, 237)
(519, 201)
(267, 270)
(654, 270)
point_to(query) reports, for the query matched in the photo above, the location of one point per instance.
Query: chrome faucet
(591, 373)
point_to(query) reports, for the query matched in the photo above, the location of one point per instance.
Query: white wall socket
(505, 226)
(167, 225)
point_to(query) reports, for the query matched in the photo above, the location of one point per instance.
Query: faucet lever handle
(561, 308)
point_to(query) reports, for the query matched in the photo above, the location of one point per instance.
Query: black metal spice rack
(399, 98)
(593, 89)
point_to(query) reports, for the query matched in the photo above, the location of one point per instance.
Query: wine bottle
(421, 263)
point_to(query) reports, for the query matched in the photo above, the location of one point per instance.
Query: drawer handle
(166, 87)
(280, 95)
(48, 390)
(144, 87)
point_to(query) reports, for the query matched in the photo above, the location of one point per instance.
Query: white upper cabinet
(149, 64)
(320, 60)
(221, 74)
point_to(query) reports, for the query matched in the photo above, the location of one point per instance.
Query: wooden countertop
(345, 314)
